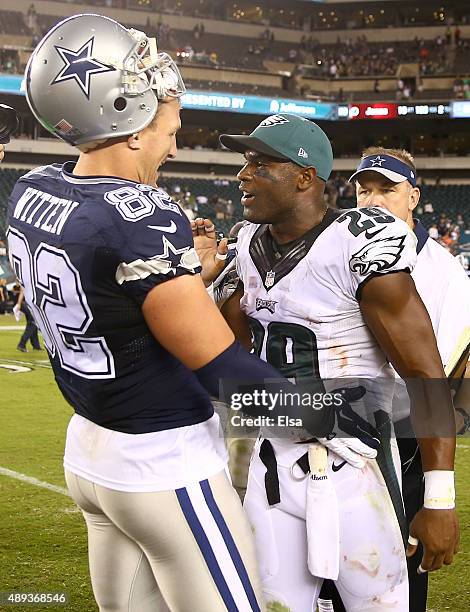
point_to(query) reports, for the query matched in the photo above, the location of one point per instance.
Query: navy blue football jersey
(87, 251)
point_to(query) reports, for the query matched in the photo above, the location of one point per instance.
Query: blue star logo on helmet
(79, 66)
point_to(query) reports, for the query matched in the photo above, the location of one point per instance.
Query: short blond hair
(401, 154)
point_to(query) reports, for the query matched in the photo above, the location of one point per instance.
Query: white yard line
(33, 481)
(12, 327)
(36, 364)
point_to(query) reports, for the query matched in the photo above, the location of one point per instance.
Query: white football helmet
(90, 79)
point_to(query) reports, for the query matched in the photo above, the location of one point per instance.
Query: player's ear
(133, 142)
(415, 194)
(307, 177)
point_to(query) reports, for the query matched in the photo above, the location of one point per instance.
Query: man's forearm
(399, 321)
(432, 415)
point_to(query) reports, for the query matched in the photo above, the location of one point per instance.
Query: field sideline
(42, 534)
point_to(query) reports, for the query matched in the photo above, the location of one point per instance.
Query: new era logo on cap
(302, 153)
(273, 120)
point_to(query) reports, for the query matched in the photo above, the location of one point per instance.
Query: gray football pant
(184, 550)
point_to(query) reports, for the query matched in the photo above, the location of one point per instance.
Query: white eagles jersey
(303, 303)
(444, 288)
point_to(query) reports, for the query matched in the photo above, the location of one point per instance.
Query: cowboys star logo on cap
(378, 161)
(79, 66)
(393, 168)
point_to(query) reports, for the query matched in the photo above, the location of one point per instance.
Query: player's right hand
(362, 440)
(438, 532)
(211, 255)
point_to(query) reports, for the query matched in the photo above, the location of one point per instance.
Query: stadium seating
(12, 22)
(448, 199)
(357, 58)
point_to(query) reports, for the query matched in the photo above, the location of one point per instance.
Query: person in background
(31, 330)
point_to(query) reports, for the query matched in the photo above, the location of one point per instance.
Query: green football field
(42, 535)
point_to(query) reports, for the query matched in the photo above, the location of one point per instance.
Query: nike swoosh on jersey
(369, 235)
(336, 468)
(170, 229)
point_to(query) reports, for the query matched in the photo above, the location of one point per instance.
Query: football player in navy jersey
(108, 267)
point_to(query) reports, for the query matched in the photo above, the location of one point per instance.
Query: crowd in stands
(448, 53)
(445, 230)
(219, 199)
(461, 89)
(304, 15)
(221, 208)
(348, 57)
(359, 57)
(9, 61)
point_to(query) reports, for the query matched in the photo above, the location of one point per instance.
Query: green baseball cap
(287, 136)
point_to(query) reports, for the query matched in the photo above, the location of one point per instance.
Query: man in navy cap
(387, 178)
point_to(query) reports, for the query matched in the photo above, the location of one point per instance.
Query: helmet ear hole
(120, 103)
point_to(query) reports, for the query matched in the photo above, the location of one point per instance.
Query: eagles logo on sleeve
(378, 255)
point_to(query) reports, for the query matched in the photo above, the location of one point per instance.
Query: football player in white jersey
(330, 295)
(445, 290)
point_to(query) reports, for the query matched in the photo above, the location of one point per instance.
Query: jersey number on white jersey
(290, 348)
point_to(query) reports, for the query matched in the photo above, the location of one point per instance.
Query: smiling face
(159, 138)
(269, 188)
(374, 189)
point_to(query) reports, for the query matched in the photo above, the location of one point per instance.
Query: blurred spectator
(189, 212)
(32, 18)
(3, 296)
(400, 87)
(458, 88)
(460, 221)
(201, 200)
(219, 208)
(230, 209)
(448, 35)
(443, 225)
(428, 207)
(433, 232)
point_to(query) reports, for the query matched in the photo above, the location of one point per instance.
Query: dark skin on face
(286, 196)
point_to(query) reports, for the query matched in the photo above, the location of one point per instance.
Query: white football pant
(372, 564)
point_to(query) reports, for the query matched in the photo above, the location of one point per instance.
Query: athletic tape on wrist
(413, 541)
(439, 490)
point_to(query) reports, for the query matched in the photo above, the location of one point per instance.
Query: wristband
(439, 490)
